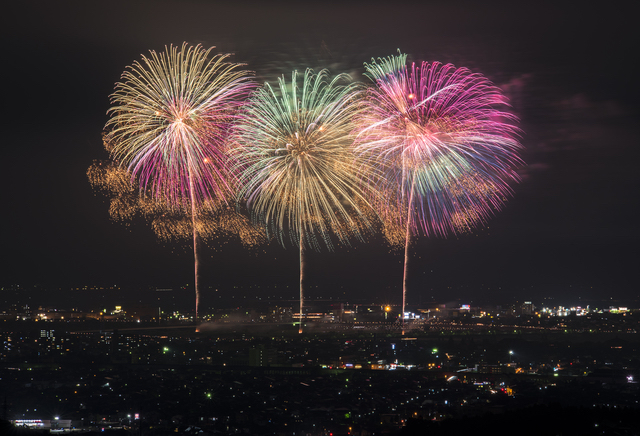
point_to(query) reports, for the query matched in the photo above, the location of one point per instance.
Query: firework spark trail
(446, 149)
(298, 173)
(302, 278)
(169, 119)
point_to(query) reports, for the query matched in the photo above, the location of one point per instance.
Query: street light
(510, 355)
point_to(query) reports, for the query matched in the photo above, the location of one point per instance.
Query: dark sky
(569, 231)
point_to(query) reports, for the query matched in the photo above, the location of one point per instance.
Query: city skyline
(566, 231)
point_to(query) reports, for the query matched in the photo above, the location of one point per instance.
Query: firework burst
(445, 144)
(298, 173)
(213, 221)
(170, 116)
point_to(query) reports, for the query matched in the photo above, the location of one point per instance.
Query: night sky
(570, 230)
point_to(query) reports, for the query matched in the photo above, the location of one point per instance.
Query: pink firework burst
(169, 119)
(444, 142)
